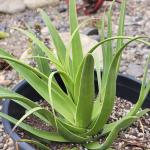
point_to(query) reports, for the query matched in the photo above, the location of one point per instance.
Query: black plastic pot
(127, 88)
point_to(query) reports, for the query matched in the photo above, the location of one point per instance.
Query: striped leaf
(58, 43)
(77, 53)
(42, 64)
(86, 93)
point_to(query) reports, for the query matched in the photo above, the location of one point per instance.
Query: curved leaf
(145, 88)
(60, 47)
(121, 24)
(113, 129)
(39, 43)
(58, 101)
(27, 114)
(112, 136)
(51, 136)
(86, 93)
(42, 64)
(5, 55)
(44, 115)
(117, 37)
(36, 143)
(73, 137)
(108, 99)
(77, 53)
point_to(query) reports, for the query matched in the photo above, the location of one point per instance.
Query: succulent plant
(78, 115)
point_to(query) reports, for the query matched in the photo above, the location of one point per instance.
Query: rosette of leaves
(78, 115)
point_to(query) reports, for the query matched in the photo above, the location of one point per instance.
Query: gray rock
(90, 31)
(32, 4)
(1, 139)
(11, 148)
(1, 134)
(11, 143)
(95, 37)
(5, 147)
(135, 70)
(62, 8)
(11, 6)
(14, 6)
(45, 31)
(1, 145)
(123, 69)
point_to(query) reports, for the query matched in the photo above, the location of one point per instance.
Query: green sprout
(78, 115)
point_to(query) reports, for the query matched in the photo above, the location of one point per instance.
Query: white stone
(135, 70)
(32, 4)
(14, 6)
(1, 145)
(45, 31)
(11, 6)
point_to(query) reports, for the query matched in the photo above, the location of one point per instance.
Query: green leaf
(68, 82)
(109, 87)
(42, 64)
(121, 24)
(36, 143)
(27, 114)
(107, 53)
(51, 136)
(113, 129)
(73, 128)
(86, 93)
(44, 115)
(145, 88)
(51, 98)
(59, 45)
(113, 134)
(68, 59)
(109, 39)
(77, 83)
(98, 66)
(41, 45)
(5, 55)
(60, 68)
(108, 127)
(30, 76)
(96, 109)
(77, 53)
(58, 101)
(109, 34)
(104, 48)
(73, 137)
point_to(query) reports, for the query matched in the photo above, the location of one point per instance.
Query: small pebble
(11, 148)
(1, 145)
(11, 143)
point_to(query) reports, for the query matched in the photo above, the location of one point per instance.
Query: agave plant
(78, 115)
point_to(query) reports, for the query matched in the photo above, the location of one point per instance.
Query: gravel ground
(133, 60)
